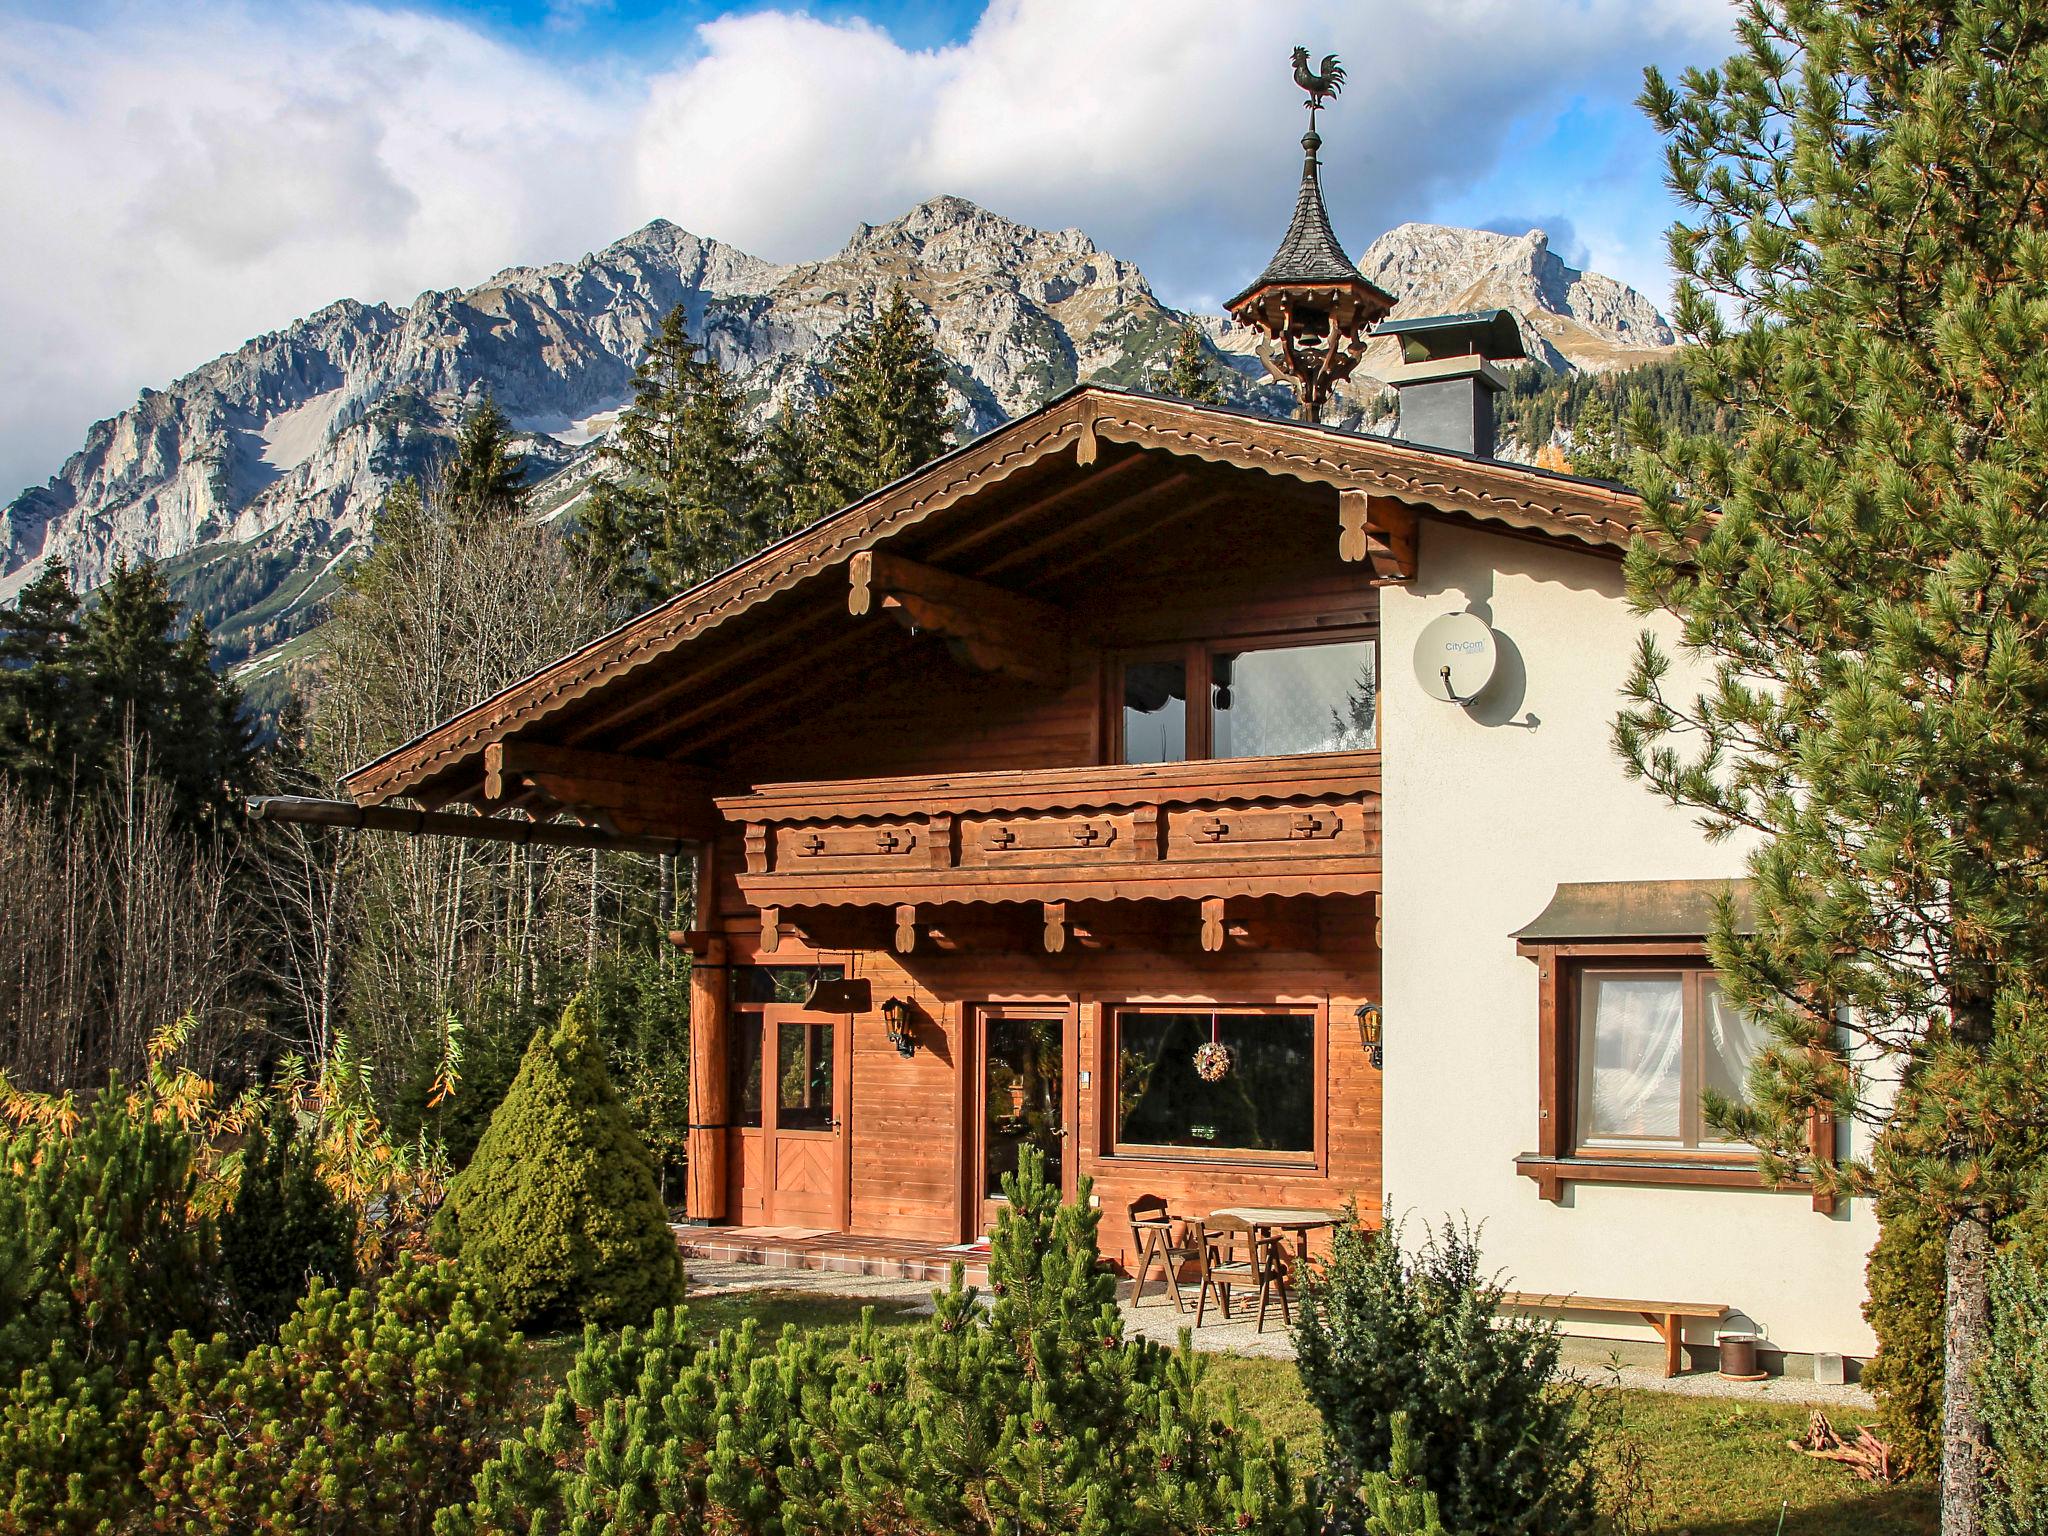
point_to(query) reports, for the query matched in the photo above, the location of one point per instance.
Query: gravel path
(1156, 1320)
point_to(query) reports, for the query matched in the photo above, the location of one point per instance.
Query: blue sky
(177, 177)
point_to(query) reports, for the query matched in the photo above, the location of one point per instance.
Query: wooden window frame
(1562, 1156)
(1314, 1160)
(1197, 658)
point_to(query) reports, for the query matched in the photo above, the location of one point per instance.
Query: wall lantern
(901, 1018)
(1369, 1018)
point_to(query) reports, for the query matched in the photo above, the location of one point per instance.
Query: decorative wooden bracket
(985, 627)
(906, 928)
(631, 796)
(1055, 926)
(1212, 923)
(771, 929)
(1378, 529)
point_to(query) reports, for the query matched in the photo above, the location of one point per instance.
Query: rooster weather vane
(1312, 308)
(1320, 84)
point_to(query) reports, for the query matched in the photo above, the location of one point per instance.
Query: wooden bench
(1667, 1317)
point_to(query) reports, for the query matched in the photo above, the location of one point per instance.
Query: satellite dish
(1455, 657)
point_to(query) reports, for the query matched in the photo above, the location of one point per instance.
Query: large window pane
(1155, 711)
(1730, 1041)
(1022, 1096)
(1264, 1103)
(1301, 698)
(743, 1071)
(1634, 1037)
(803, 1077)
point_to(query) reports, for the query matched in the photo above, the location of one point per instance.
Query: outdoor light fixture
(1369, 1033)
(901, 1018)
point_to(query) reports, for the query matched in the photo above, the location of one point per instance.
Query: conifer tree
(1865, 271)
(1187, 375)
(43, 708)
(558, 1211)
(885, 411)
(483, 479)
(794, 480)
(284, 1229)
(679, 495)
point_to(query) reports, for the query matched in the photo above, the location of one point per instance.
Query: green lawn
(1713, 1467)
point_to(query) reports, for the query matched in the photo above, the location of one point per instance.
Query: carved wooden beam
(631, 796)
(1378, 529)
(986, 627)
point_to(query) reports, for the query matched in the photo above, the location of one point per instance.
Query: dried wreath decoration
(1212, 1061)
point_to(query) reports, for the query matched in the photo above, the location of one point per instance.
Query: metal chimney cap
(1489, 333)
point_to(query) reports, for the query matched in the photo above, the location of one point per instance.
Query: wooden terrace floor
(840, 1253)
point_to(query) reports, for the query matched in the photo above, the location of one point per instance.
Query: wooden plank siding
(913, 1172)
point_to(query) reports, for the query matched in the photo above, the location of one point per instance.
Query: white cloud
(176, 181)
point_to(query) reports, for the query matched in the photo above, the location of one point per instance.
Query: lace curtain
(1637, 1025)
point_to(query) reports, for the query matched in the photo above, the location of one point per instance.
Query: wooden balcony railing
(1254, 827)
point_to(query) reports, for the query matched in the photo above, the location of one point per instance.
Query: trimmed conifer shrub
(1385, 1332)
(558, 1211)
(372, 1411)
(2014, 1381)
(284, 1229)
(1905, 1296)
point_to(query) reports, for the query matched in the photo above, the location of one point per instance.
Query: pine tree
(794, 481)
(284, 1229)
(483, 479)
(1871, 601)
(43, 709)
(1396, 1501)
(1187, 375)
(679, 497)
(2014, 1379)
(885, 410)
(558, 1210)
(1597, 448)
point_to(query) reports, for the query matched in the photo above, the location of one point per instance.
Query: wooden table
(1286, 1218)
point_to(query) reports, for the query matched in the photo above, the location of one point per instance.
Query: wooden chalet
(1132, 730)
(1065, 751)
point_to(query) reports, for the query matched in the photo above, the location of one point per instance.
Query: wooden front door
(1022, 1086)
(803, 1120)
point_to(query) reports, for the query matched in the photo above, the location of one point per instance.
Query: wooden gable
(985, 551)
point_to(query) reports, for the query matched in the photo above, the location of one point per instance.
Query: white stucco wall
(1486, 810)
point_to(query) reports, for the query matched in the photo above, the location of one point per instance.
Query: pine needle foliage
(483, 480)
(884, 411)
(558, 1211)
(679, 496)
(1396, 1501)
(285, 1228)
(1031, 1416)
(372, 1411)
(1188, 374)
(1864, 273)
(101, 1259)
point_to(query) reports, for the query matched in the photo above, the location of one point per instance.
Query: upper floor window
(1254, 700)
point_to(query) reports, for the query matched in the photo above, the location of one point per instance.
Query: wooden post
(709, 1044)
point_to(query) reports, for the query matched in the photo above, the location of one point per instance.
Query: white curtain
(1636, 1030)
(1733, 1041)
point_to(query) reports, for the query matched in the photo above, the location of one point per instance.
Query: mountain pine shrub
(1396, 1501)
(101, 1258)
(1031, 1416)
(558, 1211)
(372, 1411)
(284, 1228)
(1385, 1331)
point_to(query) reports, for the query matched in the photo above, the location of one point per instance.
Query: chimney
(1446, 381)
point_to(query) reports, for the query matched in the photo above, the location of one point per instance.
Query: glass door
(1023, 1099)
(805, 1157)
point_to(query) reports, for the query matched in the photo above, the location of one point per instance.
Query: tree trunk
(1966, 1337)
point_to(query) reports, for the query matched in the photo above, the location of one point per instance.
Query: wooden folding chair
(1157, 1235)
(1222, 1239)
